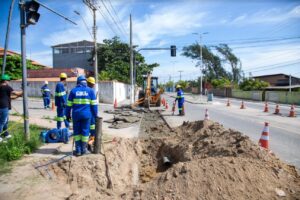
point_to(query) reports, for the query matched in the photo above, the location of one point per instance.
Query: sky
(264, 34)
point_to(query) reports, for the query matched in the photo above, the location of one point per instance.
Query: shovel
(173, 107)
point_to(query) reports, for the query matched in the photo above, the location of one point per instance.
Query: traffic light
(32, 15)
(173, 50)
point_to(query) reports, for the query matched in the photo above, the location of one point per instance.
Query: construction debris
(124, 117)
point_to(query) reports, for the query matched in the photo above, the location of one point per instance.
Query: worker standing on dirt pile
(61, 101)
(82, 101)
(6, 94)
(46, 95)
(91, 84)
(180, 99)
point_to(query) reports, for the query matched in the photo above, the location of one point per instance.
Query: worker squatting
(81, 107)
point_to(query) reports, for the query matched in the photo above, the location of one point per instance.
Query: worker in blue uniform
(83, 104)
(91, 84)
(46, 93)
(61, 101)
(180, 99)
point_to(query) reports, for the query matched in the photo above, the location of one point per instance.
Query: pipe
(166, 161)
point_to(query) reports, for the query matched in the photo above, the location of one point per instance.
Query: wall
(252, 95)
(283, 97)
(108, 90)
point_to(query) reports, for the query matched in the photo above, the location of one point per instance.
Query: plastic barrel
(210, 97)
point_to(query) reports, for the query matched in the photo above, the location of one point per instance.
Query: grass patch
(16, 147)
(16, 114)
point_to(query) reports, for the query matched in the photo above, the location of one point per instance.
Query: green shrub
(16, 147)
(221, 83)
(252, 84)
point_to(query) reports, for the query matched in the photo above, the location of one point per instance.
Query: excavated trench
(197, 159)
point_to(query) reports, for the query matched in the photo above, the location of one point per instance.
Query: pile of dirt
(197, 160)
(124, 117)
(211, 162)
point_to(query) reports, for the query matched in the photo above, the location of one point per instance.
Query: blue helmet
(81, 78)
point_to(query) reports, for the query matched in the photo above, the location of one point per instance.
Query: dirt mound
(197, 160)
(208, 161)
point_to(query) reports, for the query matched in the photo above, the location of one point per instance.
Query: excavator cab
(150, 93)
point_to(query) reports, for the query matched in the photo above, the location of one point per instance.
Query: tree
(183, 84)
(234, 62)
(213, 66)
(14, 66)
(221, 83)
(114, 59)
(252, 84)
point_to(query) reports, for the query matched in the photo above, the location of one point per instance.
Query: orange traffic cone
(292, 111)
(264, 139)
(167, 106)
(163, 102)
(173, 107)
(206, 116)
(266, 107)
(277, 112)
(53, 106)
(115, 103)
(242, 105)
(228, 103)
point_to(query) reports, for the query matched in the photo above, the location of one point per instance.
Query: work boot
(75, 153)
(77, 148)
(84, 150)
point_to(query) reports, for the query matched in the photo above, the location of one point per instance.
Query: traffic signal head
(32, 15)
(173, 50)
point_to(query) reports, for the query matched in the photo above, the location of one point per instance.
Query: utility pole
(131, 65)
(180, 74)
(290, 83)
(7, 35)
(94, 9)
(24, 70)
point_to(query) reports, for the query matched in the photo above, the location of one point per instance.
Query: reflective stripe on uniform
(60, 119)
(84, 138)
(60, 94)
(69, 103)
(179, 108)
(77, 137)
(179, 97)
(93, 102)
(93, 127)
(81, 101)
(46, 90)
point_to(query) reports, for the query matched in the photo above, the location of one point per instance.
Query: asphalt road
(284, 131)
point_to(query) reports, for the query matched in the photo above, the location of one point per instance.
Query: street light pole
(180, 74)
(201, 58)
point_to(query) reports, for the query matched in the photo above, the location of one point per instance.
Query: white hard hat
(46, 82)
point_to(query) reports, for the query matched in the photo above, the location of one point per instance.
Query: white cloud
(43, 57)
(266, 16)
(172, 21)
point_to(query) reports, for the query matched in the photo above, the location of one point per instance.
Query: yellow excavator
(150, 95)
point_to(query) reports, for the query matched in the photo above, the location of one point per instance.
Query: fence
(283, 97)
(108, 90)
(253, 95)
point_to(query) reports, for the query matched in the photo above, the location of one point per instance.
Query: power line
(269, 67)
(106, 21)
(113, 19)
(117, 17)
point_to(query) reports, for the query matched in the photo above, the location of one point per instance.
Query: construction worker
(91, 84)
(61, 101)
(83, 104)
(6, 94)
(46, 95)
(180, 99)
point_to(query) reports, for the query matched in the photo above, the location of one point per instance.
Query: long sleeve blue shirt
(46, 91)
(82, 102)
(60, 95)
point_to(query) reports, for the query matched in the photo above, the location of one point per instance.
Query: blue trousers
(46, 102)
(4, 113)
(93, 126)
(81, 128)
(61, 117)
